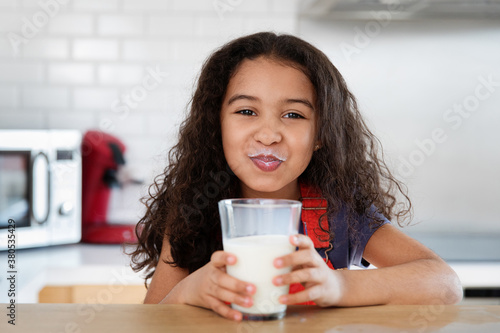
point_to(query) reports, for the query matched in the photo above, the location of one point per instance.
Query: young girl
(271, 117)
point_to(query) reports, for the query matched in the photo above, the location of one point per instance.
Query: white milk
(255, 264)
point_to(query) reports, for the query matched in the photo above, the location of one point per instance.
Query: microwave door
(14, 187)
(40, 193)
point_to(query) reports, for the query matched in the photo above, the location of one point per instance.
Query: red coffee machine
(102, 156)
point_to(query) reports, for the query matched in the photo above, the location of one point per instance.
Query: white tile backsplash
(173, 25)
(284, 6)
(5, 4)
(189, 51)
(120, 74)
(8, 97)
(65, 120)
(120, 25)
(146, 5)
(47, 48)
(6, 48)
(97, 98)
(215, 27)
(251, 6)
(195, 5)
(147, 50)
(21, 72)
(96, 5)
(132, 123)
(31, 119)
(286, 24)
(144, 148)
(72, 24)
(95, 49)
(11, 21)
(53, 98)
(71, 73)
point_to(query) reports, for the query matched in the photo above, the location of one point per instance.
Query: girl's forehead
(270, 79)
(263, 68)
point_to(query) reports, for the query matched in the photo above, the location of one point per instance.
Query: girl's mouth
(266, 163)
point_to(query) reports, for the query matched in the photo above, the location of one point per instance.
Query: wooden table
(96, 318)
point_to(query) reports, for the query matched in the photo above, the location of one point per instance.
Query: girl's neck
(290, 192)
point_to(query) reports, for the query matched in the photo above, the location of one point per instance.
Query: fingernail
(250, 289)
(278, 262)
(247, 301)
(278, 280)
(283, 299)
(237, 316)
(295, 240)
(231, 260)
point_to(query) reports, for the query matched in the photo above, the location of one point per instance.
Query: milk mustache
(255, 256)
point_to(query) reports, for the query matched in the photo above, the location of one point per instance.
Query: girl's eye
(293, 115)
(246, 112)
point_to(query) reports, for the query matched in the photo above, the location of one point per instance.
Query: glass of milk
(257, 231)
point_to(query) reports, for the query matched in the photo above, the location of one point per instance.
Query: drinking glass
(257, 231)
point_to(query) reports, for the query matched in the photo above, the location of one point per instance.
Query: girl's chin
(271, 191)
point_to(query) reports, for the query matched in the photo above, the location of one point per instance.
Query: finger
(301, 241)
(223, 280)
(232, 297)
(306, 257)
(221, 258)
(306, 275)
(224, 310)
(309, 294)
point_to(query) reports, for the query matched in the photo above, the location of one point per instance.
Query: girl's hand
(210, 286)
(322, 284)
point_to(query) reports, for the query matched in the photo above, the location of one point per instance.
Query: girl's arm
(408, 273)
(165, 278)
(209, 287)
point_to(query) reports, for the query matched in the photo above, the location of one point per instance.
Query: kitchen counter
(183, 318)
(65, 265)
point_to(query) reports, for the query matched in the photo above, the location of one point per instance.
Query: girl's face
(268, 127)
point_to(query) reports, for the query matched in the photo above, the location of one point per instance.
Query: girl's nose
(268, 132)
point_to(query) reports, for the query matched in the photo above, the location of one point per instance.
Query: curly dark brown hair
(349, 168)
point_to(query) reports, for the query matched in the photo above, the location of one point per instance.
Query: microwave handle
(40, 188)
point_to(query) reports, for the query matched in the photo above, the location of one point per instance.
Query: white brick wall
(19, 71)
(10, 20)
(47, 48)
(8, 97)
(120, 25)
(193, 6)
(76, 69)
(5, 48)
(54, 98)
(146, 5)
(30, 119)
(66, 120)
(118, 74)
(72, 24)
(96, 5)
(147, 50)
(7, 4)
(95, 49)
(71, 73)
(178, 25)
(94, 98)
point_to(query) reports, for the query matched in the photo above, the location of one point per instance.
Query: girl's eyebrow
(299, 100)
(284, 101)
(239, 96)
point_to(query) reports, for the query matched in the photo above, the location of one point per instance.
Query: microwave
(40, 187)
